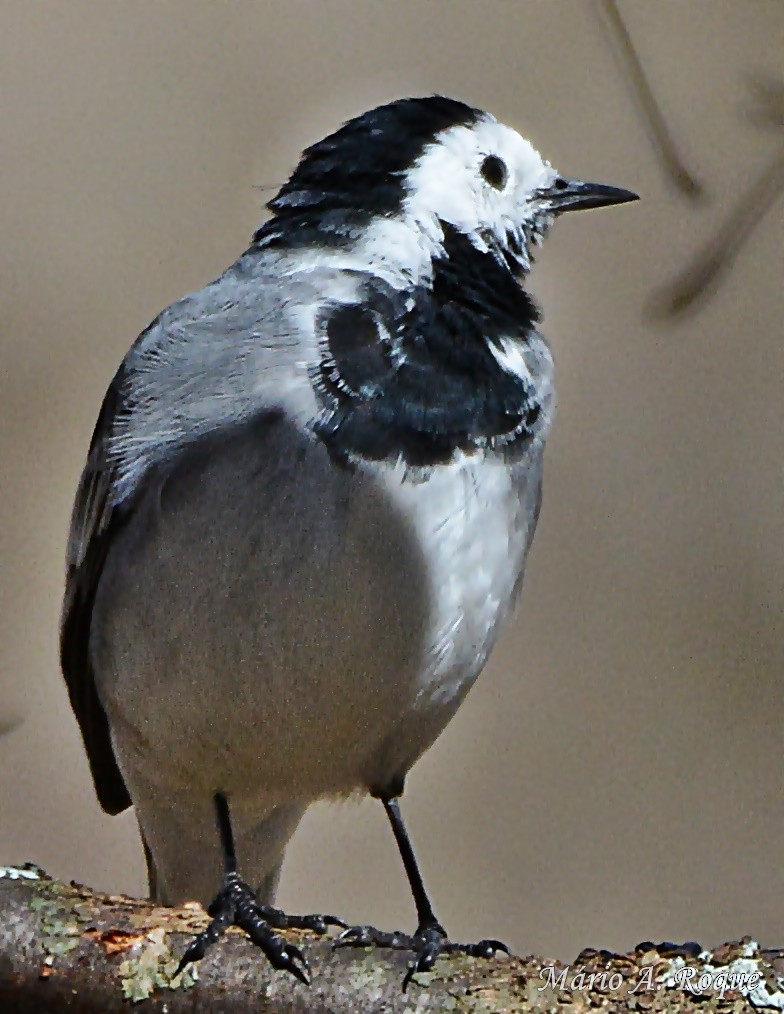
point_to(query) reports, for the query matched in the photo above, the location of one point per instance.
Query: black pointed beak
(574, 195)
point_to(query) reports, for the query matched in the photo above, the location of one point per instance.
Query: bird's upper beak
(573, 195)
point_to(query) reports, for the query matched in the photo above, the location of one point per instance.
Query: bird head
(430, 162)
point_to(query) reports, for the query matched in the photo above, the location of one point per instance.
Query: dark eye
(494, 172)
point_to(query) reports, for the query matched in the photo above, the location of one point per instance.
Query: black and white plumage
(310, 493)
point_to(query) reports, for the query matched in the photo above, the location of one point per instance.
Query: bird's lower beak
(574, 195)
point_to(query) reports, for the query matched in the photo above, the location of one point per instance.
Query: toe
(487, 949)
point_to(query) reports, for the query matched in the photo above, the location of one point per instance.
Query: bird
(307, 506)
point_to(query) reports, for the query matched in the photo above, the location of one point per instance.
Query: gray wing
(94, 523)
(213, 358)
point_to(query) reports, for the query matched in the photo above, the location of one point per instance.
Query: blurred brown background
(617, 772)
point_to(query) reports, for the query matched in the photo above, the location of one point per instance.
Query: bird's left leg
(430, 939)
(236, 905)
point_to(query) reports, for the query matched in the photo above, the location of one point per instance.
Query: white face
(481, 179)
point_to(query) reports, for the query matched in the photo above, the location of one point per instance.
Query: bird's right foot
(236, 905)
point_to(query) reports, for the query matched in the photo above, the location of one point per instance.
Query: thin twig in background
(766, 110)
(660, 133)
(718, 255)
(701, 277)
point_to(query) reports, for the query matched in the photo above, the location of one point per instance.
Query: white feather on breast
(474, 519)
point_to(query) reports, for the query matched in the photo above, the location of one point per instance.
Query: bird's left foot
(236, 905)
(428, 943)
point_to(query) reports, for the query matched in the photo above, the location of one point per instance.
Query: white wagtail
(307, 506)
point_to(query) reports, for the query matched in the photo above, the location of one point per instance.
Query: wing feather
(94, 523)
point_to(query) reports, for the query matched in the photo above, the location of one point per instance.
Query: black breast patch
(411, 374)
(358, 359)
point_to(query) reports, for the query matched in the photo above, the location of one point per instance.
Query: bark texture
(66, 948)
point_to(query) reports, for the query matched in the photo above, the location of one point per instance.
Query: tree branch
(63, 947)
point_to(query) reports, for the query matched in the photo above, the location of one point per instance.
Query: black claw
(236, 905)
(202, 942)
(297, 972)
(483, 949)
(412, 970)
(194, 952)
(289, 958)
